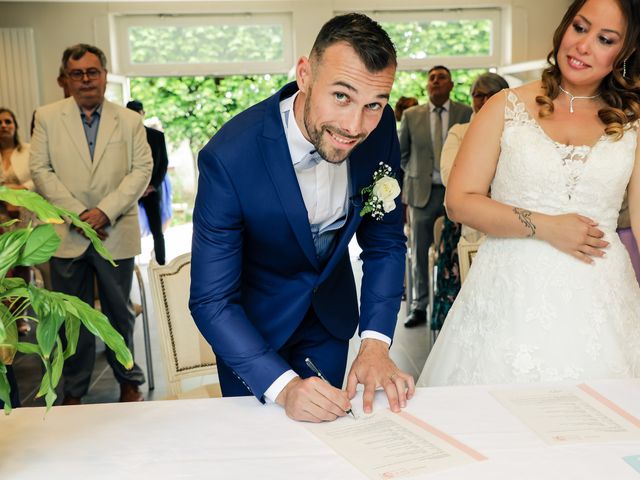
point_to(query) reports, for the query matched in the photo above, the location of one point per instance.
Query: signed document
(566, 415)
(385, 445)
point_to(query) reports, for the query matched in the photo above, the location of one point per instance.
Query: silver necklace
(576, 97)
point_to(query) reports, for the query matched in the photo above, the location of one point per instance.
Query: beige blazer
(416, 150)
(64, 173)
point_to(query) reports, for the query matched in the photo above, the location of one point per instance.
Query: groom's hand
(313, 400)
(373, 368)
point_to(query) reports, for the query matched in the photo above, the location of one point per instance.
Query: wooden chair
(466, 252)
(186, 353)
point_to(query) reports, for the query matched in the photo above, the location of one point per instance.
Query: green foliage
(194, 108)
(33, 245)
(173, 44)
(422, 40)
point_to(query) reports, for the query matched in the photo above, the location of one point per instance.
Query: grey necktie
(437, 140)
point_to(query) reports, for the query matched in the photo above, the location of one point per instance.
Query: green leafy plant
(33, 245)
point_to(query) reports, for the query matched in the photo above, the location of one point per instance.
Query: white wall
(529, 24)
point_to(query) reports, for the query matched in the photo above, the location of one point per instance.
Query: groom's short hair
(369, 40)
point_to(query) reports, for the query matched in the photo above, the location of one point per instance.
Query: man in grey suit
(91, 156)
(422, 133)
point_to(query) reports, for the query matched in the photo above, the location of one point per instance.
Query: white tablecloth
(238, 438)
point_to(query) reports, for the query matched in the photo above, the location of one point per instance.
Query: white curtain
(18, 76)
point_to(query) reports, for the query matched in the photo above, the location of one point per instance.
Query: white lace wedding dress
(528, 312)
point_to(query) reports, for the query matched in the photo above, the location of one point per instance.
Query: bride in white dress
(551, 294)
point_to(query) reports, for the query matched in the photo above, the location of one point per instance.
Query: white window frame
(452, 62)
(126, 67)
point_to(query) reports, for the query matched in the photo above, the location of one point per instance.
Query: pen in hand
(317, 371)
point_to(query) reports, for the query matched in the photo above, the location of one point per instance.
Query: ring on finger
(393, 376)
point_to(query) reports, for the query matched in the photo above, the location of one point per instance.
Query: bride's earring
(624, 68)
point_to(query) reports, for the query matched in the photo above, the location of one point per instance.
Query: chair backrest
(186, 353)
(438, 225)
(466, 252)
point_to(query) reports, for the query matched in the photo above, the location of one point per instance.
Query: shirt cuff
(276, 387)
(375, 335)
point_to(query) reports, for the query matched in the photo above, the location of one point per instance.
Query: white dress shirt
(325, 191)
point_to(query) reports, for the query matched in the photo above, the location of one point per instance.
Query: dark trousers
(151, 204)
(422, 220)
(75, 276)
(311, 339)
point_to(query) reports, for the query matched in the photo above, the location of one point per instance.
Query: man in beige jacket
(91, 156)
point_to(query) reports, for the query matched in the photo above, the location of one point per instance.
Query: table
(238, 438)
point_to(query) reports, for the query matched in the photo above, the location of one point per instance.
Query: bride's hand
(573, 234)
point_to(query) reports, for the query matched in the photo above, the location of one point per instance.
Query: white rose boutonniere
(381, 194)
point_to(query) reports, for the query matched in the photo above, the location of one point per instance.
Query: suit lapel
(277, 159)
(108, 122)
(73, 124)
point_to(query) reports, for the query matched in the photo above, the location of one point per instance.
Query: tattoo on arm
(525, 218)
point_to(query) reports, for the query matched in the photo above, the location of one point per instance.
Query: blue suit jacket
(254, 271)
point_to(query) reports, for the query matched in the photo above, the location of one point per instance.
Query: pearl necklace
(576, 97)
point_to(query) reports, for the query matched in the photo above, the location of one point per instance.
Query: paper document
(566, 415)
(385, 445)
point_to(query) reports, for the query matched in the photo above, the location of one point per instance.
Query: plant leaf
(5, 390)
(10, 330)
(71, 332)
(11, 283)
(57, 363)
(51, 312)
(40, 246)
(99, 325)
(90, 234)
(10, 245)
(33, 202)
(28, 348)
(49, 213)
(47, 386)
(5, 317)
(7, 224)
(45, 383)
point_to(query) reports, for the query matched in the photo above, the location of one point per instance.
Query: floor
(409, 349)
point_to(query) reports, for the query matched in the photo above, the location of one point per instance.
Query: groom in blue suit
(279, 199)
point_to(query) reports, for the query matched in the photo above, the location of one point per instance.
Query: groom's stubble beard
(316, 136)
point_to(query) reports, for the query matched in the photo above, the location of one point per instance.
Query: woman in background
(14, 173)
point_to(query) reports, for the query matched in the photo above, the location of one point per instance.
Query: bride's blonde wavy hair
(620, 93)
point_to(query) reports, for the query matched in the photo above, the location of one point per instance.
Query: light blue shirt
(91, 127)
